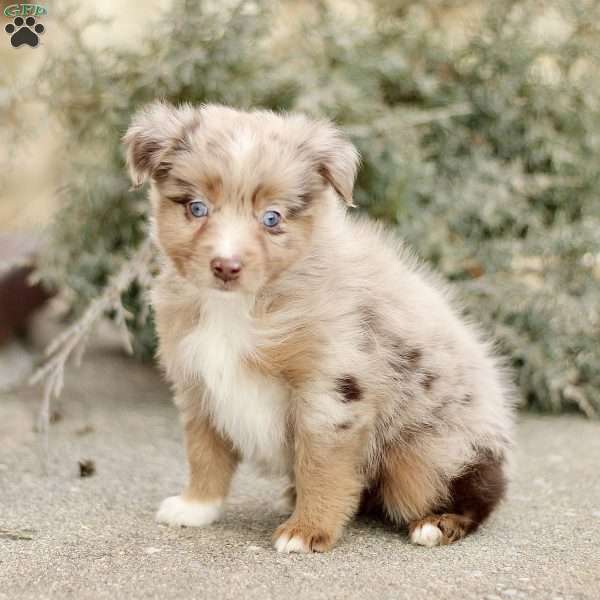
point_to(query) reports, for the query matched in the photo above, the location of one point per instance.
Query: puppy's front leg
(327, 469)
(212, 462)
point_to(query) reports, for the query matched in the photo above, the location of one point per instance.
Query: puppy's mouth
(226, 286)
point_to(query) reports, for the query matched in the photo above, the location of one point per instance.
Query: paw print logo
(24, 32)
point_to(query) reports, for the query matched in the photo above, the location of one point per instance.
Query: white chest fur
(248, 407)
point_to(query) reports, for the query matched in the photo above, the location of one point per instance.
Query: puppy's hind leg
(437, 511)
(472, 497)
(212, 463)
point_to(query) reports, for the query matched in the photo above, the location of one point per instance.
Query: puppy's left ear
(154, 130)
(337, 160)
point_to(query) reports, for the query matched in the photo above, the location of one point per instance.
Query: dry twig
(73, 340)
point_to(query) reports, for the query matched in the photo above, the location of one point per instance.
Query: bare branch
(73, 340)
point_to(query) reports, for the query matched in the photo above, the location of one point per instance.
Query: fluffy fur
(333, 356)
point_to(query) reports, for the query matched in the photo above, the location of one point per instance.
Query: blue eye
(271, 218)
(198, 209)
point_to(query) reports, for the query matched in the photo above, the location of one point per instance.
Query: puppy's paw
(437, 530)
(179, 512)
(426, 534)
(291, 537)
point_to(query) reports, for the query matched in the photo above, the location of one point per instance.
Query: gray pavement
(62, 536)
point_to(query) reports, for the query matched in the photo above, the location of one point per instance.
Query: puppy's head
(237, 195)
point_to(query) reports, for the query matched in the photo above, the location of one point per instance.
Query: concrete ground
(63, 536)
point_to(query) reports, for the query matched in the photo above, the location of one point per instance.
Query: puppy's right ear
(154, 130)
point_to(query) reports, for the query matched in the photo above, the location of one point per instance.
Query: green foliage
(481, 148)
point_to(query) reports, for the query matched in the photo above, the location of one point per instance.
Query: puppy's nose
(226, 269)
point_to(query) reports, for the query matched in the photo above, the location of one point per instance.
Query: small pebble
(55, 416)
(87, 468)
(85, 430)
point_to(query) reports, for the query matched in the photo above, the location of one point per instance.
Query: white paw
(427, 535)
(178, 512)
(296, 544)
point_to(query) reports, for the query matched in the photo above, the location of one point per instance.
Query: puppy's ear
(337, 159)
(154, 130)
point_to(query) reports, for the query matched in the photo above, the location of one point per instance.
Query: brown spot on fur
(344, 426)
(302, 203)
(413, 356)
(404, 359)
(429, 379)
(161, 173)
(349, 388)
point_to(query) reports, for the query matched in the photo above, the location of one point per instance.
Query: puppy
(307, 341)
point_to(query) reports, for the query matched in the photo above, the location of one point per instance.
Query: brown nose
(226, 269)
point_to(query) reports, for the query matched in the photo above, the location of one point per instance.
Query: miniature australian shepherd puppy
(306, 340)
